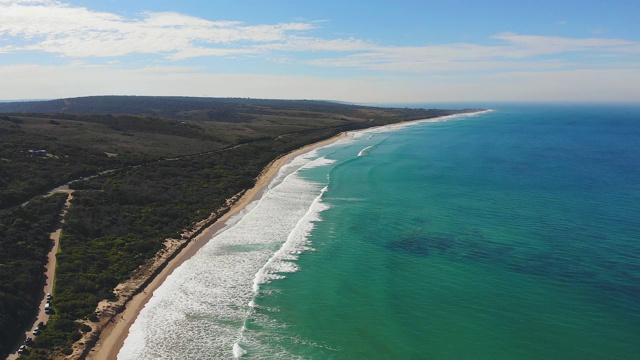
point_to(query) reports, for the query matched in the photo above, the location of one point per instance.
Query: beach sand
(114, 333)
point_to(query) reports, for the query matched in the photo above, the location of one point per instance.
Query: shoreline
(113, 334)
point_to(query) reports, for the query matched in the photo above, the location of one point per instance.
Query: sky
(375, 51)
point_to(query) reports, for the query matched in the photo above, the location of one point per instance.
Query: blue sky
(360, 51)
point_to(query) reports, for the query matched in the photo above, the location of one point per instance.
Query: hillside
(169, 106)
(83, 136)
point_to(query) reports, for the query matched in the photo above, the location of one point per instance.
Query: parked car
(36, 331)
(22, 349)
(49, 297)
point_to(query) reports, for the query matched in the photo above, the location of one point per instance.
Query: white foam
(296, 243)
(402, 125)
(202, 307)
(365, 151)
(238, 351)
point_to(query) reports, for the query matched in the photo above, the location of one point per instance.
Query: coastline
(113, 334)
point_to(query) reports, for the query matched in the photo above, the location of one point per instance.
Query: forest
(25, 242)
(140, 177)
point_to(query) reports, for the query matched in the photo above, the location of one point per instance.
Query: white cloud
(529, 45)
(300, 43)
(507, 66)
(514, 52)
(79, 32)
(27, 2)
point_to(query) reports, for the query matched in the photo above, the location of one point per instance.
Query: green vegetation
(25, 242)
(174, 162)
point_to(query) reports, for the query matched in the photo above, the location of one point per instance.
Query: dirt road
(49, 277)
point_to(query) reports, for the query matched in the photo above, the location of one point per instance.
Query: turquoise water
(507, 235)
(511, 234)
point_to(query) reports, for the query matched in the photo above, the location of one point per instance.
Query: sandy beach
(114, 333)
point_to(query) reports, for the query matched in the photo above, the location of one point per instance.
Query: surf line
(365, 151)
(296, 243)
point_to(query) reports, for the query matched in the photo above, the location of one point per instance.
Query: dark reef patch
(422, 246)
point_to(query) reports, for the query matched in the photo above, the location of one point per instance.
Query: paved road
(49, 277)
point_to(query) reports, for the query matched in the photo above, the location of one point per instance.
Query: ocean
(510, 234)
